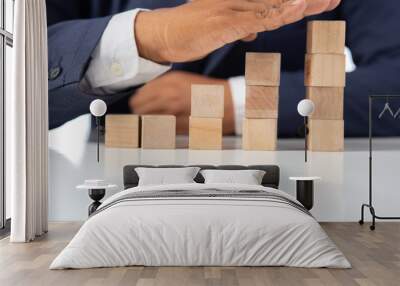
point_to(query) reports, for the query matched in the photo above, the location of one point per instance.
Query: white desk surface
(341, 192)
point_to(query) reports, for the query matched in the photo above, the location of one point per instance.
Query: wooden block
(263, 69)
(262, 101)
(122, 131)
(259, 134)
(205, 133)
(326, 37)
(328, 102)
(326, 135)
(158, 131)
(325, 70)
(207, 101)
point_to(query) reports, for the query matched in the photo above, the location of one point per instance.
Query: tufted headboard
(271, 177)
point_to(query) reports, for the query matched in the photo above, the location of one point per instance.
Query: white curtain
(27, 123)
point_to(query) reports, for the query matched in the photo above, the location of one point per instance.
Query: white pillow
(166, 176)
(247, 177)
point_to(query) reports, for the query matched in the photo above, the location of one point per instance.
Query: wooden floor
(375, 257)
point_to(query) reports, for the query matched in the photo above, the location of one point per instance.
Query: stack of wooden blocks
(325, 79)
(207, 112)
(262, 98)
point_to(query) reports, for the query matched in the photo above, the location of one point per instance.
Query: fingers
(147, 109)
(150, 105)
(333, 4)
(256, 6)
(293, 12)
(316, 6)
(165, 101)
(319, 6)
(273, 14)
(142, 98)
(243, 25)
(274, 17)
(239, 25)
(250, 37)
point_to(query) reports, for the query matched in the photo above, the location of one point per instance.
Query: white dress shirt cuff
(116, 64)
(238, 91)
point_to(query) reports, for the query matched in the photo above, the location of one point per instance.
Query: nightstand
(305, 190)
(96, 190)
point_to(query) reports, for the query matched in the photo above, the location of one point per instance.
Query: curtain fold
(27, 122)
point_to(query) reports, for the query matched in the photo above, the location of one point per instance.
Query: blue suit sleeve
(71, 44)
(71, 41)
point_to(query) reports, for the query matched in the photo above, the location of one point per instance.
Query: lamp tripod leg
(305, 138)
(98, 138)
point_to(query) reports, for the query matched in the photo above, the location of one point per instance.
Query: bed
(201, 224)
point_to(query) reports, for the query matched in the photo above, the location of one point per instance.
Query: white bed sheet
(200, 232)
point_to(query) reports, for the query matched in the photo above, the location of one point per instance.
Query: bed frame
(271, 177)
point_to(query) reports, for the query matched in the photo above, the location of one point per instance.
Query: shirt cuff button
(116, 69)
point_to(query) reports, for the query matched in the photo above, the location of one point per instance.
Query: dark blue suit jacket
(76, 26)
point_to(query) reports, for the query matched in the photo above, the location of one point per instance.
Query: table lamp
(305, 108)
(98, 108)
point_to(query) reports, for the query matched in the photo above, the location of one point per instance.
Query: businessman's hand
(195, 29)
(171, 94)
(320, 6)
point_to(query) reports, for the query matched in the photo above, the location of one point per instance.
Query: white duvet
(189, 232)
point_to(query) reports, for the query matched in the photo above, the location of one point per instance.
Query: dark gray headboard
(271, 178)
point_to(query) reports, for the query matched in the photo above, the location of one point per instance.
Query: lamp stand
(98, 138)
(305, 137)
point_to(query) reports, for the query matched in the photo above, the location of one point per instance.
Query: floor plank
(375, 257)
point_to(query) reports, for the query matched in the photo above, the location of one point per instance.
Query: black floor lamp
(98, 108)
(305, 108)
